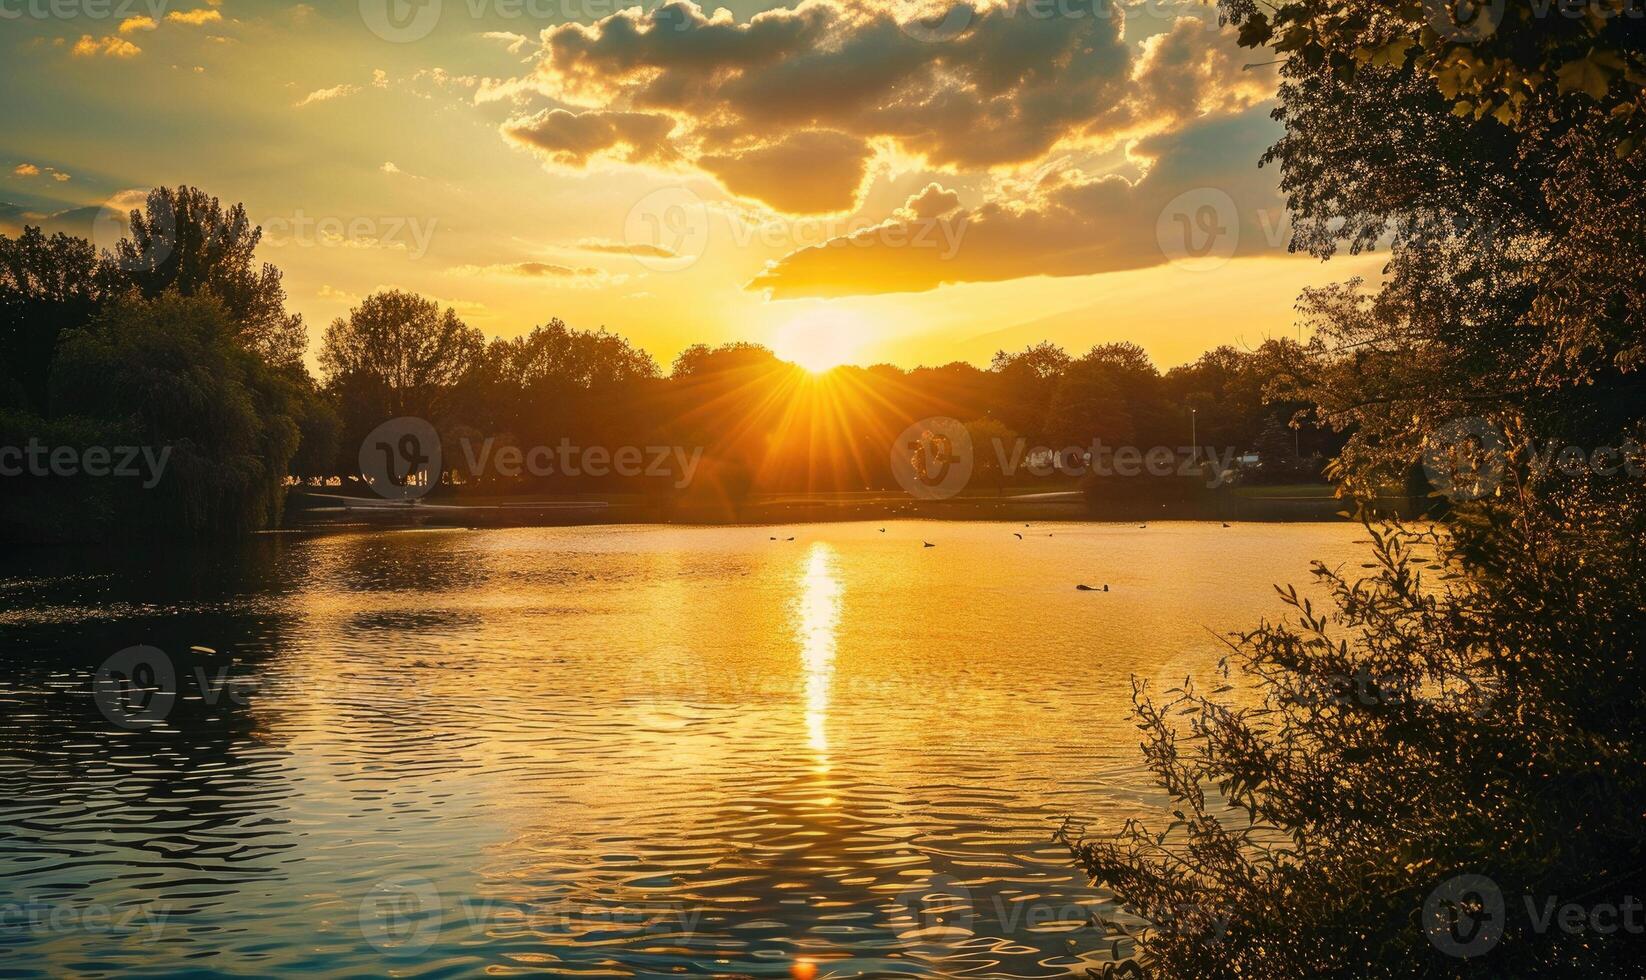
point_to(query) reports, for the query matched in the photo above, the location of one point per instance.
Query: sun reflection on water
(818, 606)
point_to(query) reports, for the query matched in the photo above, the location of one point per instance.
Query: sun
(821, 339)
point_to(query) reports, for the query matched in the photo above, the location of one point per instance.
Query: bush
(1434, 725)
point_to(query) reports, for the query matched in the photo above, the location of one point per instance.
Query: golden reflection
(819, 609)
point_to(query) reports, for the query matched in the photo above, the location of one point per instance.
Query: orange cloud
(194, 18)
(140, 23)
(26, 170)
(107, 46)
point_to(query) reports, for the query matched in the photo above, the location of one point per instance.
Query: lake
(607, 751)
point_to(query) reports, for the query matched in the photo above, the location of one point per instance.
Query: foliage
(1473, 705)
(1512, 61)
(1490, 724)
(402, 348)
(46, 286)
(990, 438)
(168, 375)
(184, 241)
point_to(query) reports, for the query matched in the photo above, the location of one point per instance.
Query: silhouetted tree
(184, 240)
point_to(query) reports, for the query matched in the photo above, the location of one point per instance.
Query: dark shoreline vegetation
(1453, 744)
(179, 343)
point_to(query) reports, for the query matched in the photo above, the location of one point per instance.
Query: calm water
(613, 752)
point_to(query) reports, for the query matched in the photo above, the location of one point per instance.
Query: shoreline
(307, 510)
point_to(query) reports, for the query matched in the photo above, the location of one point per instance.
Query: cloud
(337, 295)
(627, 248)
(529, 270)
(576, 138)
(328, 94)
(107, 46)
(932, 202)
(194, 18)
(513, 42)
(139, 23)
(809, 172)
(26, 170)
(1008, 89)
(1068, 223)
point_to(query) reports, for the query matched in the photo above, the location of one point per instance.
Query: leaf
(1255, 31)
(1391, 55)
(1586, 75)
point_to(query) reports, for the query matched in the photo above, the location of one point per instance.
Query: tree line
(180, 337)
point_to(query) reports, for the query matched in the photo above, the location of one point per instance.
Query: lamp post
(1194, 437)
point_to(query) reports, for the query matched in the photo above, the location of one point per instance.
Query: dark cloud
(841, 76)
(575, 138)
(1068, 224)
(809, 172)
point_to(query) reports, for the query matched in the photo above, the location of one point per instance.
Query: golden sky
(918, 182)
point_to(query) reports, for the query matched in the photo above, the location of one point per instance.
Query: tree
(402, 349)
(170, 373)
(1351, 798)
(1025, 383)
(184, 240)
(47, 286)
